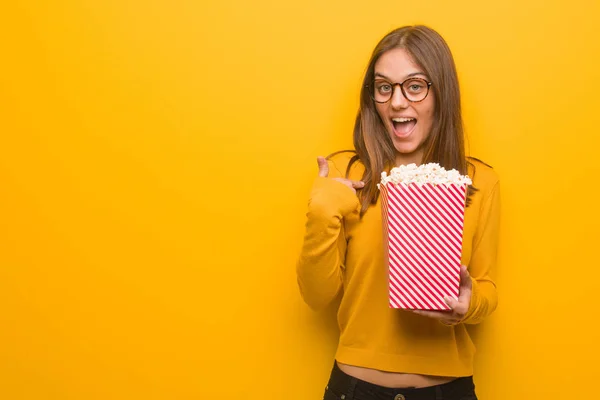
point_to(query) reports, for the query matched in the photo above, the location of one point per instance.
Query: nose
(398, 100)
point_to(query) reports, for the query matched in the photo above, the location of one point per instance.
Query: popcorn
(423, 218)
(431, 173)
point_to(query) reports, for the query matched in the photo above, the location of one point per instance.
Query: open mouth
(403, 126)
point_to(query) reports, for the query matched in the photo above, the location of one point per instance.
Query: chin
(406, 149)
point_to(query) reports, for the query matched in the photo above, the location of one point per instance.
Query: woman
(409, 113)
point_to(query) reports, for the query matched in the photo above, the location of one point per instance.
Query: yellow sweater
(342, 252)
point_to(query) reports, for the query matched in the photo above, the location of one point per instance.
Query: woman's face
(408, 123)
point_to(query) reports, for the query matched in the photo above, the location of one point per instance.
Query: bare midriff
(393, 379)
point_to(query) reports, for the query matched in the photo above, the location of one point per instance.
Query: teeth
(402, 119)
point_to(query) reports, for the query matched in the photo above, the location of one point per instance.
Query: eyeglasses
(413, 89)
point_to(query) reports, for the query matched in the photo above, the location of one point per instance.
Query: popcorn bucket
(423, 225)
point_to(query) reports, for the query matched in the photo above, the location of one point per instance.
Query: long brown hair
(445, 143)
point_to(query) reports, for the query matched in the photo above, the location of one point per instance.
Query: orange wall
(155, 160)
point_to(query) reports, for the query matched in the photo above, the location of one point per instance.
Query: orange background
(155, 161)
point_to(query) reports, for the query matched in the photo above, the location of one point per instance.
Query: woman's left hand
(459, 307)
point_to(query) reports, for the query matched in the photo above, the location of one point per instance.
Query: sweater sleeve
(320, 265)
(484, 297)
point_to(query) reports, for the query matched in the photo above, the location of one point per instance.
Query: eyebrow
(407, 76)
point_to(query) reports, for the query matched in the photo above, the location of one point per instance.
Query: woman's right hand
(324, 172)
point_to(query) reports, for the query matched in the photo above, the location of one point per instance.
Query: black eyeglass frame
(371, 89)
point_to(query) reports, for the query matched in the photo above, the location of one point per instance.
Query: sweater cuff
(333, 197)
(475, 300)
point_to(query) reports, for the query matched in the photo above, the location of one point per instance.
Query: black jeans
(342, 386)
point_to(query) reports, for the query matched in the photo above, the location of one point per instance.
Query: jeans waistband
(342, 383)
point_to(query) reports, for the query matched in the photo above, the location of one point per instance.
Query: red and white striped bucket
(423, 227)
